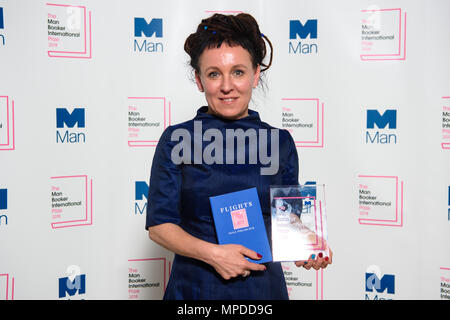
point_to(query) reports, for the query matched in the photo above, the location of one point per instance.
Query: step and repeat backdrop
(87, 88)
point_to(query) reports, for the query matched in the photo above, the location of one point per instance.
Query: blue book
(238, 219)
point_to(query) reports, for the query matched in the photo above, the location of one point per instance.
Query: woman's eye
(213, 74)
(238, 72)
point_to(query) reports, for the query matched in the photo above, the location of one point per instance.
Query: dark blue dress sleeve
(288, 160)
(163, 201)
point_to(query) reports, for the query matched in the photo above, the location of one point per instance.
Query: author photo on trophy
(224, 193)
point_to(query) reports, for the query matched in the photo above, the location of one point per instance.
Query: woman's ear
(198, 81)
(257, 74)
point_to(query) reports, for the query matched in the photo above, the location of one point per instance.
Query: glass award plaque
(299, 227)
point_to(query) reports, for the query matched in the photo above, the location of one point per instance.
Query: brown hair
(235, 30)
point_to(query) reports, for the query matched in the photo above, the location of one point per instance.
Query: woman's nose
(226, 85)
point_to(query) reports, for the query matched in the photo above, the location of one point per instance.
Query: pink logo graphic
(148, 117)
(69, 31)
(445, 283)
(7, 136)
(304, 119)
(380, 201)
(383, 34)
(6, 287)
(146, 278)
(239, 218)
(223, 11)
(71, 201)
(308, 285)
(446, 123)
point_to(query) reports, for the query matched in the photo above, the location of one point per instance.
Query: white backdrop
(73, 72)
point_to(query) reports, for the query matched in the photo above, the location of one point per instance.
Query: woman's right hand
(229, 260)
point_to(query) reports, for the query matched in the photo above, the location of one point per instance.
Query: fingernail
(305, 262)
(313, 256)
(259, 256)
(326, 259)
(320, 255)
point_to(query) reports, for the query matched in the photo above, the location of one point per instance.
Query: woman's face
(227, 77)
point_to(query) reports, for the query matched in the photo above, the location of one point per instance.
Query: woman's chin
(229, 113)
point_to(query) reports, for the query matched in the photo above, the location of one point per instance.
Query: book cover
(238, 220)
(299, 227)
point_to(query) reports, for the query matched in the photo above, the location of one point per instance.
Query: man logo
(70, 119)
(142, 28)
(3, 199)
(66, 119)
(71, 287)
(3, 205)
(2, 25)
(309, 194)
(387, 282)
(374, 280)
(73, 283)
(296, 28)
(387, 120)
(389, 117)
(148, 29)
(141, 191)
(303, 31)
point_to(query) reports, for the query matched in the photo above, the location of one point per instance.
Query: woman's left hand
(317, 263)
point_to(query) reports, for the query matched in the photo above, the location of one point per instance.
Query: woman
(227, 55)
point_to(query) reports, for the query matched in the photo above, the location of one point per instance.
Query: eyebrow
(234, 67)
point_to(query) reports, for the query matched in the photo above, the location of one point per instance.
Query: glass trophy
(299, 227)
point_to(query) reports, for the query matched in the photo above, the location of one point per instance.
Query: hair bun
(241, 29)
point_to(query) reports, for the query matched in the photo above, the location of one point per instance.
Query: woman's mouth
(228, 100)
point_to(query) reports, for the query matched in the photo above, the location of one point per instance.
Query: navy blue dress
(179, 194)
